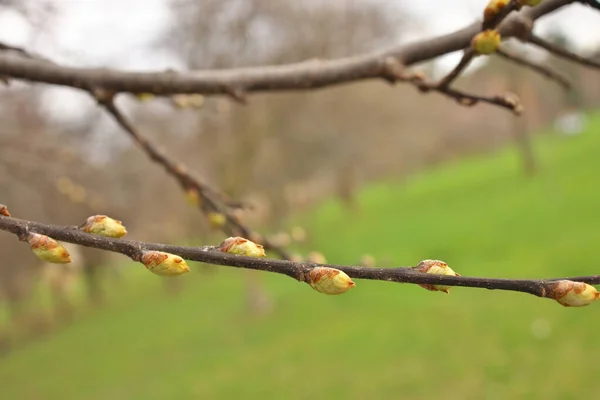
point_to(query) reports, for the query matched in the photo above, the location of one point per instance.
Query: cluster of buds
(573, 294)
(47, 249)
(436, 267)
(104, 226)
(241, 247)
(4, 211)
(329, 280)
(164, 264)
(486, 42)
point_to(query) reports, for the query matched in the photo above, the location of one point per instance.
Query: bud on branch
(573, 294)
(241, 247)
(47, 249)
(104, 226)
(329, 280)
(164, 264)
(436, 267)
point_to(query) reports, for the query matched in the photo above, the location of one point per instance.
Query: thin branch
(296, 270)
(560, 52)
(592, 3)
(233, 226)
(539, 68)
(507, 101)
(464, 62)
(299, 76)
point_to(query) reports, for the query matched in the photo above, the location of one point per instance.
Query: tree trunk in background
(94, 285)
(521, 127)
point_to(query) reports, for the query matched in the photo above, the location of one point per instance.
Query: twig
(187, 181)
(511, 103)
(296, 270)
(540, 68)
(560, 52)
(469, 54)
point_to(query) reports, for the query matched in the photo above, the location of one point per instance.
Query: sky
(118, 33)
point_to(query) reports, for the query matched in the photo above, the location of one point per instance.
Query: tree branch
(296, 270)
(562, 53)
(506, 101)
(211, 200)
(469, 54)
(539, 68)
(187, 181)
(299, 76)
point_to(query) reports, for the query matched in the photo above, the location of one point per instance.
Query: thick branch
(539, 68)
(300, 76)
(296, 270)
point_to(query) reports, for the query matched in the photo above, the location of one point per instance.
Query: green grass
(380, 340)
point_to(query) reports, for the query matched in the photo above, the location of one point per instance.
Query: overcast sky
(117, 32)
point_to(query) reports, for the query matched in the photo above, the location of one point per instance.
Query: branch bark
(187, 181)
(300, 76)
(539, 68)
(296, 270)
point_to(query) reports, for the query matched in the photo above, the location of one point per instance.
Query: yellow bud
(4, 211)
(164, 264)
(493, 8)
(47, 249)
(192, 197)
(436, 267)
(298, 234)
(143, 97)
(530, 3)
(188, 100)
(316, 257)
(573, 294)
(241, 247)
(216, 219)
(280, 239)
(329, 280)
(104, 226)
(486, 42)
(367, 260)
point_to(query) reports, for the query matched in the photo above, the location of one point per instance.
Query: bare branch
(507, 101)
(208, 202)
(562, 53)
(236, 82)
(539, 68)
(296, 270)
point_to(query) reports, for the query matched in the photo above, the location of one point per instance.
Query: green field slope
(380, 340)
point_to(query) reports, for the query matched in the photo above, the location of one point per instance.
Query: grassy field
(380, 340)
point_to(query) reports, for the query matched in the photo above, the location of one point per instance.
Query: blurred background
(360, 174)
